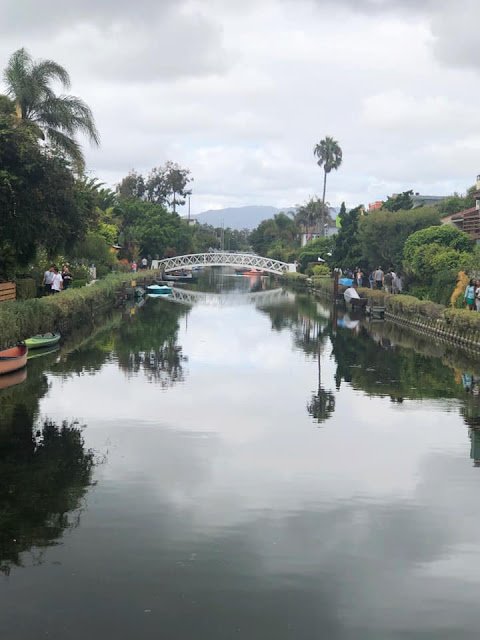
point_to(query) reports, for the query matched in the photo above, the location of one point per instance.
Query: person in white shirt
(47, 280)
(350, 293)
(57, 282)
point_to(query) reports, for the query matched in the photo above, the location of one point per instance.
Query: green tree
(401, 202)
(277, 235)
(382, 234)
(132, 187)
(329, 156)
(168, 184)
(318, 248)
(347, 251)
(60, 118)
(456, 202)
(442, 236)
(314, 214)
(157, 229)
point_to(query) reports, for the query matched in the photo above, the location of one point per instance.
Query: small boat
(172, 277)
(13, 359)
(159, 289)
(159, 295)
(43, 340)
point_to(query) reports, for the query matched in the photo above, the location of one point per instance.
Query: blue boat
(157, 289)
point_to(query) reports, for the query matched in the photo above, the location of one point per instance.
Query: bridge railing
(220, 258)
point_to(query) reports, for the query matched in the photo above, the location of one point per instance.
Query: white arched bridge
(222, 259)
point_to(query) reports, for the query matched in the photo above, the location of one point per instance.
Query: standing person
(388, 281)
(477, 295)
(359, 278)
(47, 280)
(398, 283)
(144, 263)
(66, 276)
(378, 276)
(371, 280)
(57, 283)
(470, 294)
(134, 267)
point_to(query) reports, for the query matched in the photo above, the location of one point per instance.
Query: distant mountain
(239, 217)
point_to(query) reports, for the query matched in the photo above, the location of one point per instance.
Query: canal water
(241, 463)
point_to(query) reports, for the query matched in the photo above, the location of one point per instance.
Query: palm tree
(329, 156)
(58, 117)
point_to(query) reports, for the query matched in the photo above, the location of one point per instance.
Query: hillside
(238, 217)
(244, 217)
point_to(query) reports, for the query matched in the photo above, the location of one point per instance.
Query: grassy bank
(20, 319)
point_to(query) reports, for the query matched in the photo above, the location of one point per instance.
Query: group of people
(55, 281)
(472, 295)
(390, 281)
(143, 265)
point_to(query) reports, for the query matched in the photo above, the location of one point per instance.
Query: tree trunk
(324, 185)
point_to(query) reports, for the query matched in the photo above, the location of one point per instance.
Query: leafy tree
(59, 118)
(442, 236)
(156, 229)
(277, 233)
(382, 234)
(318, 248)
(347, 251)
(41, 203)
(329, 156)
(132, 187)
(168, 184)
(314, 214)
(401, 202)
(457, 202)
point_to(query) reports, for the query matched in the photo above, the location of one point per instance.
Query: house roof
(459, 215)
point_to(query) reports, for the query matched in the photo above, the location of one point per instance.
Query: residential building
(373, 206)
(467, 220)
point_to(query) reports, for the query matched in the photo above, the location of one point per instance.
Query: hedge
(20, 319)
(26, 288)
(410, 306)
(295, 280)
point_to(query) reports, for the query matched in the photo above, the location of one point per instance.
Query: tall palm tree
(329, 156)
(59, 117)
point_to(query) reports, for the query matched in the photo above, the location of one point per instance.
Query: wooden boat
(159, 289)
(172, 277)
(43, 340)
(13, 359)
(11, 379)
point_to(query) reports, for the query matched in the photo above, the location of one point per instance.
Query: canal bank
(458, 327)
(65, 312)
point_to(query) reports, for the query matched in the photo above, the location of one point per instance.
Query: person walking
(144, 263)
(134, 267)
(378, 276)
(470, 294)
(388, 281)
(371, 280)
(47, 280)
(57, 283)
(66, 277)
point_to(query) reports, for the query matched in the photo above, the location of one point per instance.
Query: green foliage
(20, 319)
(411, 307)
(319, 248)
(445, 235)
(314, 214)
(41, 203)
(382, 234)
(442, 287)
(347, 250)
(279, 232)
(320, 270)
(400, 202)
(29, 84)
(294, 280)
(97, 250)
(462, 320)
(26, 288)
(457, 202)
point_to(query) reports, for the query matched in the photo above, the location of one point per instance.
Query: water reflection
(45, 471)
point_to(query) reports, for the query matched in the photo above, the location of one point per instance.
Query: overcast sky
(239, 91)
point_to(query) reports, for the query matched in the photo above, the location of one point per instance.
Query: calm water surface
(241, 467)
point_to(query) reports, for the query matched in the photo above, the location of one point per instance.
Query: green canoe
(45, 340)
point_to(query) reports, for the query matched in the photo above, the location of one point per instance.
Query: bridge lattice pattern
(259, 298)
(220, 259)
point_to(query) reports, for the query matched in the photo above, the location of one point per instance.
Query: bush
(76, 284)
(408, 306)
(295, 280)
(443, 285)
(20, 319)
(320, 270)
(462, 320)
(26, 288)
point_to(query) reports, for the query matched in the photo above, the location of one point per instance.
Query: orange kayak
(13, 359)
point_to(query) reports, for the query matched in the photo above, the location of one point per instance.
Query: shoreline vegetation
(21, 319)
(459, 326)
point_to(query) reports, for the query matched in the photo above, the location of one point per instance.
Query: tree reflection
(45, 471)
(148, 343)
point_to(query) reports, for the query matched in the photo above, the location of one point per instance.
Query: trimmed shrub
(26, 288)
(295, 280)
(462, 320)
(408, 306)
(320, 270)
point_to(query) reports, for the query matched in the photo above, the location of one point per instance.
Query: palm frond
(70, 114)
(69, 146)
(46, 70)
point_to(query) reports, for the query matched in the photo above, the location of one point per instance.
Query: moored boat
(13, 359)
(159, 289)
(43, 340)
